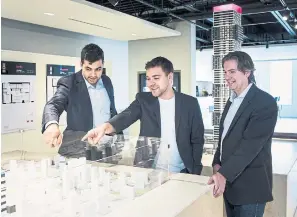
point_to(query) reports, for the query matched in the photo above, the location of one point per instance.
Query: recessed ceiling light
(285, 18)
(133, 34)
(49, 14)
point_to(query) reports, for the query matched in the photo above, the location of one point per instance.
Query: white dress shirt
(235, 104)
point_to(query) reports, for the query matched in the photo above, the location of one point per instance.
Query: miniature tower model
(227, 36)
(3, 193)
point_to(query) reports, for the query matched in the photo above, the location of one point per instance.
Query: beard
(92, 80)
(158, 92)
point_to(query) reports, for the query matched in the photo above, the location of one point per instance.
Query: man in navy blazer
(88, 98)
(243, 163)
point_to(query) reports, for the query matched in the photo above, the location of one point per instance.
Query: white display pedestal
(183, 195)
(284, 155)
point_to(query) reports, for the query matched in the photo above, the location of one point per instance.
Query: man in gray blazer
(88, 98)
(242, 162)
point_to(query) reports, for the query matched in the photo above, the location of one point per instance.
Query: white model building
(72, 187)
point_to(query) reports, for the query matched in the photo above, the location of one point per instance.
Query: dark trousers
(248, 210)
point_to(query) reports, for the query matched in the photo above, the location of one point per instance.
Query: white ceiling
(83, 17)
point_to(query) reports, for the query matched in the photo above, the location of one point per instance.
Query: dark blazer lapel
(83, 94)
(226, 109)
(109, 90)
(246, 101)
(156, 110)
(107, 86)
(178, 103)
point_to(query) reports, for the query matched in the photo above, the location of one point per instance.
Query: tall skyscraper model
(227, 36)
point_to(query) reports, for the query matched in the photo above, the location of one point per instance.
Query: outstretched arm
(127, 117)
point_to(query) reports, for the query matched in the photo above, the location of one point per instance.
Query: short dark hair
(244, 63)
(92, 53)
(162, 62)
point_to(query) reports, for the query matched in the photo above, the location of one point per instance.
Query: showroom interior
(44, 36)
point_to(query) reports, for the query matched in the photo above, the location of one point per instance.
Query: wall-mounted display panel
(18, 96)
(53, 74)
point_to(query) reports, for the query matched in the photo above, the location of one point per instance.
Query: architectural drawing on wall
(54, 86)
(16, 92)
(18, 96)
(53, 74)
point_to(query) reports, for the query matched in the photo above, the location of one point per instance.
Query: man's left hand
(219, 182)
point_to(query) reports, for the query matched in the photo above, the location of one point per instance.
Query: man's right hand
(97, 133)
(52, 135)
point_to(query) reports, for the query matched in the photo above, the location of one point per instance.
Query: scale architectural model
(227, 36)
(76, 187)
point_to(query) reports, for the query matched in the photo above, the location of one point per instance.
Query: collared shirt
(236, 102)
(100, 102)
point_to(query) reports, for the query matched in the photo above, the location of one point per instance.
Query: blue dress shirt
(100, 102)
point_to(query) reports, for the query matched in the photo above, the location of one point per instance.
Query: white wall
(272, 53)
(47, 45)
(204, 65)
(204, 58)
(32, 140)
(18, 36)
(179, 50)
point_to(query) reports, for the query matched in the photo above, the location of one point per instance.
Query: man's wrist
(50, 123)
(216, 167)
(109, 128)
(220, 174)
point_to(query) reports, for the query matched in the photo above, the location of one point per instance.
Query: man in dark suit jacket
(242, 162)
(88, 98)
(174, 117)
